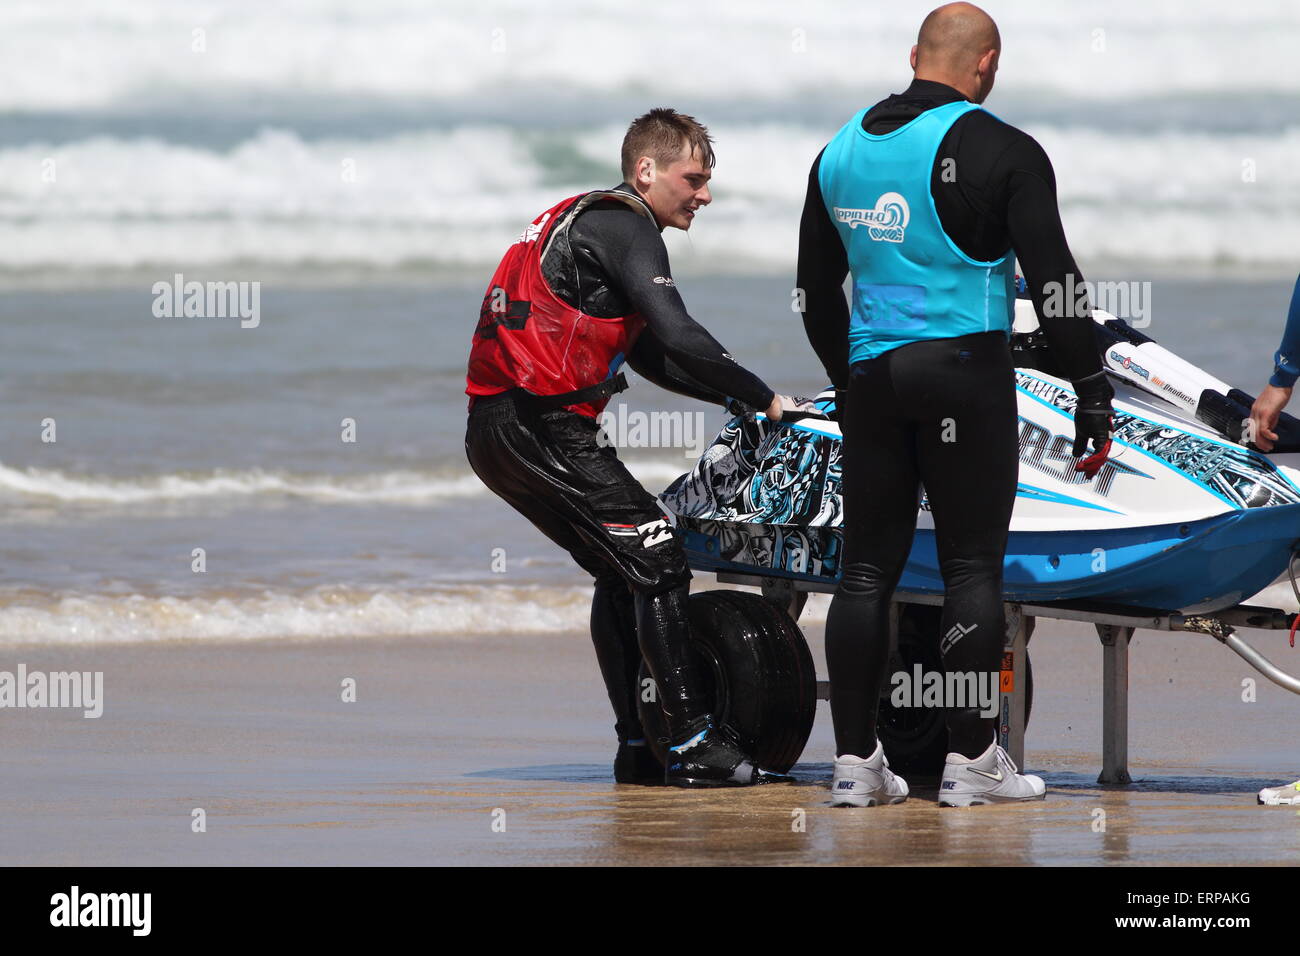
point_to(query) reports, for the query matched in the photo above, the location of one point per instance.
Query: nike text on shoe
(710, 758)
(1288, 796)
(991, 777)
(860, 782)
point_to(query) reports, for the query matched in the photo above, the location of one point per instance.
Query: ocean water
(177, 434)
(367, 165)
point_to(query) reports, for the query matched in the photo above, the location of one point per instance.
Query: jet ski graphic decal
(1234, 473)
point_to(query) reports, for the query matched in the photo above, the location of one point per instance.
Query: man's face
(679, 190)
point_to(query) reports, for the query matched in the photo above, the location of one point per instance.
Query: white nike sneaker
(866, 783)
(991, 777)
(1288, 796)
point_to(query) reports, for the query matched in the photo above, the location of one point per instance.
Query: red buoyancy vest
(530, 338)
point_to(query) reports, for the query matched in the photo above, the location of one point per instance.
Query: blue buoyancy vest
(910, 281)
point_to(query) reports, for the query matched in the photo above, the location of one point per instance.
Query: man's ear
(912, 59)
(645, 170)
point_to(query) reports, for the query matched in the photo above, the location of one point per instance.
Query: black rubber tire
(916, 738)
(760, 675)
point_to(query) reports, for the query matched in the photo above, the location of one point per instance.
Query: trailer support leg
(1114, 703)
(1011, 685)
(785, 595)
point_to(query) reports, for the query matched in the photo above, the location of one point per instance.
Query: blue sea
(367, 164)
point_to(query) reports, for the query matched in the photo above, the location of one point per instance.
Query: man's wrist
(1281, 378)
(1094, 390)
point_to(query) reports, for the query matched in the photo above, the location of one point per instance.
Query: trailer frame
(1115, 626)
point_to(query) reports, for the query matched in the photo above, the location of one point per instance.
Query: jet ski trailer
(1181, 525)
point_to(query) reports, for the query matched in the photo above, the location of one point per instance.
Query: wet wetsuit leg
(940, 413)
(613, 633)
(553, 470)
(880, 490)
(970, 481)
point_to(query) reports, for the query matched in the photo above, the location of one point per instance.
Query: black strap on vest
(581, 396)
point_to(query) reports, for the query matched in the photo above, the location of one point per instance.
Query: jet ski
(1182, 517)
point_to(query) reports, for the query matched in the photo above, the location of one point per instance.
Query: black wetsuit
(615, 262)
(550, 466)
(939, 413)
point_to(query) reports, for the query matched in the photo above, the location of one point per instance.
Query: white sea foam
(397, 487)
(99, 55)
(465, 611)
(481, 107)
(458, 198)
(456, 612)
(394, 487)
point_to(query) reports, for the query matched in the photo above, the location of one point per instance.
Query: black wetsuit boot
(700, 754)
(613, 632)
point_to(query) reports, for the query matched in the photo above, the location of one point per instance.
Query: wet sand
(445, 732)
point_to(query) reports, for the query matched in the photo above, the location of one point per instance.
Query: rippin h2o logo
(886, 223)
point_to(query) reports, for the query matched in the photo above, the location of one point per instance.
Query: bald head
(958, 45)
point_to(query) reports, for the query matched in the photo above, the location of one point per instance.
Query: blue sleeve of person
(1286, 361)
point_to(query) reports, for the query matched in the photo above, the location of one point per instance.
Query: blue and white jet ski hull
(1180, 518)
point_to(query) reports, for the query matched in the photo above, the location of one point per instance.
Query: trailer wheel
(916, 738)
(759, 673)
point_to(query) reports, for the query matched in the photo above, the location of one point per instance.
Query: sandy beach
(445, 732)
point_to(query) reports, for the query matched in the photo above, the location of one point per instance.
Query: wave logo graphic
(886, 223)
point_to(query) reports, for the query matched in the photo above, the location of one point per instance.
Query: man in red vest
(585, 288)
